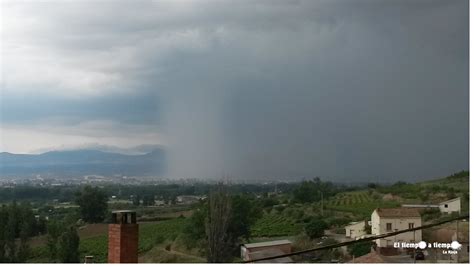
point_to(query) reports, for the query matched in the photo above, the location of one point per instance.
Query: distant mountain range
(83, 162)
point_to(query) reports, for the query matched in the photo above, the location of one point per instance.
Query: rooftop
(352, 223)
(450, 200)
(122, 211)
(267, 244)
(420, 206)
(398, 212)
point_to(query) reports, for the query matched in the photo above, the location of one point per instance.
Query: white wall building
(449, 206)
(393, 220)
(356, 229)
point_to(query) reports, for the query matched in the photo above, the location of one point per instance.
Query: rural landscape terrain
(252, 131)
(66, 223)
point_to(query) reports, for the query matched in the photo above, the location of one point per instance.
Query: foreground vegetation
(41, 230)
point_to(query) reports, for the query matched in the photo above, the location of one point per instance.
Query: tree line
(221, 223)
(17, 221)
(18, 224)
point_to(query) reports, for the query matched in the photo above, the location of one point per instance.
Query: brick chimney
(123, 237)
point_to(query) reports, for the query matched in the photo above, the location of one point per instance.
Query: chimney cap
(123, 211)
(124, 217)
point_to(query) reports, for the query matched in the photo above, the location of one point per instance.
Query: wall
(453, 206)
(399, 224)
(355, 230)
(379, 227)
(245, 252)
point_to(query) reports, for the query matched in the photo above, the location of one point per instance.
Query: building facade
(450, 206)
(356, 229)
(393, 220)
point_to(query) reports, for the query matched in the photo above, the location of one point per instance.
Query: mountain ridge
(83, 162)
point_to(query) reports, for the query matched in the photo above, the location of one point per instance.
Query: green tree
(93, 204)
(24, 249)
(195, 230)
(372, 185)
(55, 229)
(361, 248)
(236, 219)
(315, 228)
(217, 224)
(11, 232)
(148, 200)
(244, 214)
(69, 246)
(3, 223)
(136, 200)
(16, 222)
(310, 191)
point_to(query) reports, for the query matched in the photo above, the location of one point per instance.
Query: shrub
(315, 228)
(360, 249)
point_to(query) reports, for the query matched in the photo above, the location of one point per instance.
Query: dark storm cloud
(341, 89)
(141, 108)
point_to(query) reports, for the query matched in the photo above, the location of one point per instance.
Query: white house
(449, 206)
(393, 220)
(356, 229)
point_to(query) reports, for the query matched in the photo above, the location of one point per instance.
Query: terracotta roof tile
(398, 212)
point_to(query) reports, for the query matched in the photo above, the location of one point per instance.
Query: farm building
(356, 229)
(448, 206)
(393, 220)
(254, 251)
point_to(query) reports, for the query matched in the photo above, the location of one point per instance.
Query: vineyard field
(150, 234)
(360, 203)
(275, 225)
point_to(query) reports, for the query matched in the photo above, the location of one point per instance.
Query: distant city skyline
(335, 88)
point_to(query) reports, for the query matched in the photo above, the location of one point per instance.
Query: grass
(152, 234)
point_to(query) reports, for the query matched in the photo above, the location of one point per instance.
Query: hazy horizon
(340, 88)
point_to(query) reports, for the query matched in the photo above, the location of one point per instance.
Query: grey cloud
(341, 89)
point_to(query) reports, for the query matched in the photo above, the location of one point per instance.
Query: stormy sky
(342, 89)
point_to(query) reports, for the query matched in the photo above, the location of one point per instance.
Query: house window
(445, 205)
(389, 227)
(411, 225)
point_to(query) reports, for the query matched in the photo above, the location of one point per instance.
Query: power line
(360, 240)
